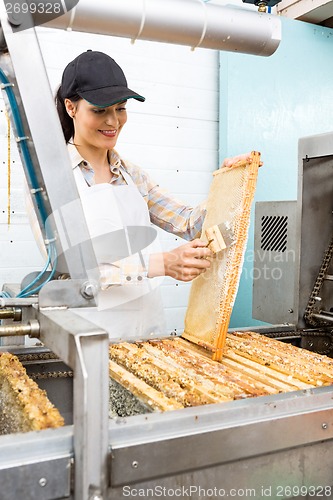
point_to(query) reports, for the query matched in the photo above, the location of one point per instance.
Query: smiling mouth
(108, 133)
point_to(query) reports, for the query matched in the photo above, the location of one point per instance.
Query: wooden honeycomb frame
(174, 373)
(213, 293)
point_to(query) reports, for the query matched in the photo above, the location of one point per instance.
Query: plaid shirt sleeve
(165, 211)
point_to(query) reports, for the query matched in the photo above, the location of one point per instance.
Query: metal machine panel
(314, 219)
(47, 480)
(36, 465)
(153, 446)
(274, 262)
(279, 475)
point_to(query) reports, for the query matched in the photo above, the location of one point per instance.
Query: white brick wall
(173, 135)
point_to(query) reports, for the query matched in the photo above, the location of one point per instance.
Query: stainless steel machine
(293, 251)
(274, 446)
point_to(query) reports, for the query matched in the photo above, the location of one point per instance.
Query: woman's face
(96, 127)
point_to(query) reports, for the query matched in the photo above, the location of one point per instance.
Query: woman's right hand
(186, 262)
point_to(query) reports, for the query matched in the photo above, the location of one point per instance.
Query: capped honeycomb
(23, 405)
(213, 293)
(171, 374)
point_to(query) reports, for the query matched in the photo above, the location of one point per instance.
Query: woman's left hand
(229, 162)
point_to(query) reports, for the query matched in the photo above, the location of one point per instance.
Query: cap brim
(108, 96)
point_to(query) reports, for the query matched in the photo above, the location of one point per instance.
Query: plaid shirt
(165, 212)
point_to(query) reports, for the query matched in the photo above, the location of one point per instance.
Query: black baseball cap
(98, 79)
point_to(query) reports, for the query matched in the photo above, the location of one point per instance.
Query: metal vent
(274, 233)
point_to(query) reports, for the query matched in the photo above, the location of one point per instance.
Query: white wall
(173, 135)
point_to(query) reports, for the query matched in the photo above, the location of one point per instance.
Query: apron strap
(79, 179)
(126, 176)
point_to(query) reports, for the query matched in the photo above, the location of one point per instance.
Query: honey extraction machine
(254, 445)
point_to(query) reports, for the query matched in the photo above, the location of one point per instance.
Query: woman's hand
(183, 263)
(229, 162)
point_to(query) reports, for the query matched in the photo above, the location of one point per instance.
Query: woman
(115, 194)
(91, 103)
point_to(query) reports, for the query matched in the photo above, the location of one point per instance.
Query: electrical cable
(8, 171)
(38, 277)
(8, 87)
(21, 139)
(26, 292)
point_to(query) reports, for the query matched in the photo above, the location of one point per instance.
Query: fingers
(229, 162)
(187, 261)
(197, 249)
(197, 243)
(189, 273)
(194, 260)
(200, 264)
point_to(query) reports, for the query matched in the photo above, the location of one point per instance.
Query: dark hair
(65, 120)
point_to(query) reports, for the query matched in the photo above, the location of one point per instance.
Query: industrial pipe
(31, 328)
(184, 22)
(324, 316)
(14, 313)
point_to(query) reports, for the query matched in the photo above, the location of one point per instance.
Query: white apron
(133, 310)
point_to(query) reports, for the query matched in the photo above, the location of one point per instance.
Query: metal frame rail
(40, 466)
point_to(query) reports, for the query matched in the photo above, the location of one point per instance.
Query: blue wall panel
(267, 104)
